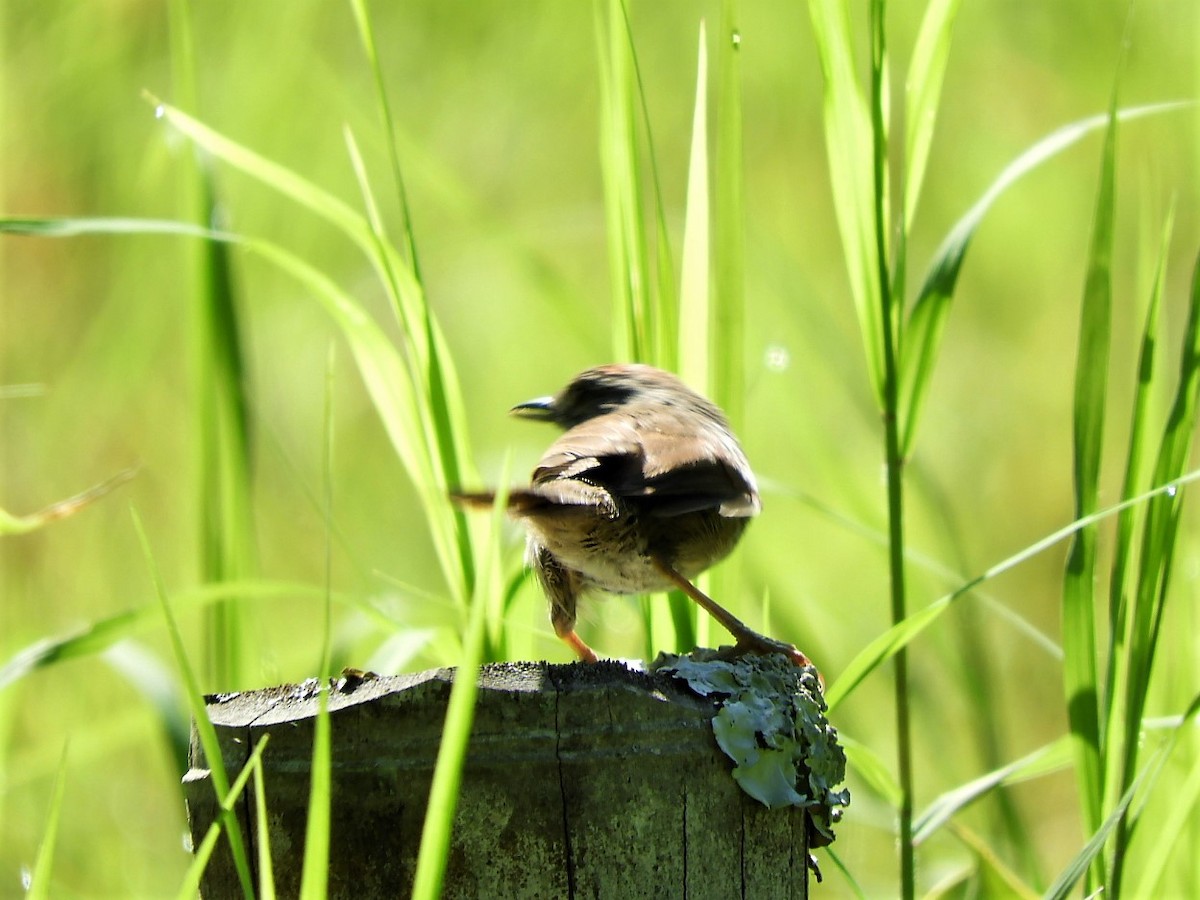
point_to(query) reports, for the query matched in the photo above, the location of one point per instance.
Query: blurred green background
(497, 108)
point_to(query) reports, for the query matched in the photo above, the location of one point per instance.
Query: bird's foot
(752, 642)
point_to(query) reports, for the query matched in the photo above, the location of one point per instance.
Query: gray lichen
(771, 722)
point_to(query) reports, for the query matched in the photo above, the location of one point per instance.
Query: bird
(646, 488)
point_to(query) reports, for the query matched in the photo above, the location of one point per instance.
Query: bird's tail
(474, 499)
(520, 502)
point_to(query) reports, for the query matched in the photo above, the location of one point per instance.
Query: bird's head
(610, 388)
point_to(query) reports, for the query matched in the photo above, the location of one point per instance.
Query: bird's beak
(539, 410)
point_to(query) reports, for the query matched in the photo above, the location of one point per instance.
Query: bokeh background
(498, 120)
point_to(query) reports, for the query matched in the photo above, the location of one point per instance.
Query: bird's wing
(669, 471)
(683, 474)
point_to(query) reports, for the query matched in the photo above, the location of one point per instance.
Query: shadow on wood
(580, 781)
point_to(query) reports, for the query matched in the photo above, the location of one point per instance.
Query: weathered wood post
(580, 781)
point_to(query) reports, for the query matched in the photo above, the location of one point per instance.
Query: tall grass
(222, 426)
(689, 262)
(862, 166)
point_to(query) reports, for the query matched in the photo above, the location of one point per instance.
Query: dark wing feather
(658, 461)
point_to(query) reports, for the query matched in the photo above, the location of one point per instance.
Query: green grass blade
(1158, 547)
(849, 147)
(315, 876)
(1139, 425)
(728, 364)
(1081, 670)
(204, 726)
(1163, 513)
(695, 316)
(101, 634)
(222, 425)
(881, 649)
(442, 417)
(1050, 758)
(922, 95)
(266, 869)
(628, 257)
(460, 715)
(1123, 592)
(695, 340)
(926, 323)
(62, 509)
(39, 883)
(1178, 822)
(190, 886)
(1091, 853)
(366, 33)
(314, 879)
(426, 362)
(394, 397)
(394, 393)
(280, 178)
(662, 322)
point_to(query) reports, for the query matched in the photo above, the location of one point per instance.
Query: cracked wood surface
(581, 781)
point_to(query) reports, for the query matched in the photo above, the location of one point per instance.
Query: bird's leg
(561, 587)
(582, 650)
(748, 640)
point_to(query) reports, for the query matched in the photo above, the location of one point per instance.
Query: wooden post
(581, 781)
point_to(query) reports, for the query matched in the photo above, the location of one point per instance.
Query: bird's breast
(617, 554)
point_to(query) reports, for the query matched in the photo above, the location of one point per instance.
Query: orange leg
(748, 640)
(582, 650)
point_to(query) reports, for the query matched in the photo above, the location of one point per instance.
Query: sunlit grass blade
(1082, 678)
(1163, 513)
(433, 387)
(1157, 552)
(62, 509)
(440, 408)
(204, 727)
(881, 649)
(696, 341)
(315, 876)
(1123, 552)
(662, 311)
(1092, 850)
(39, 882)
(397, 398)
(650, 317)
(190, 886)
(1179, 822)
(634, 333)
(280, 178)
(391, 269)
(1044, 760)
(728, 364)
(366, 33)
(222, 423)
(314, 879)
(262, 830)
(922, 96)
(989, 876)
(1123, 589)
(460, 716)
(926, 322)
(101, 634)
(849, 147)
(695, 315)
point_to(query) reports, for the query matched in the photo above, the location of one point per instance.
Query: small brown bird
(647, 488)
